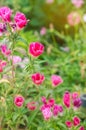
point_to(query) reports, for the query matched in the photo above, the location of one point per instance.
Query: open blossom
(38, 78)
(31, 106)
(2, 65)
(56, 80)
(46, 111)
(5, 14)
(76, 121)
(81, 128)
(77, 3)
(43, 31)
(36, 49)
(20, 20)
(68, 124)
(4, 50)
(19, 101)
(55, 110)
(51, 102)
(67, 99)
(73, 18)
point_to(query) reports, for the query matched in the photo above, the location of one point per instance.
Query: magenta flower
(73, 18)
(51, 102)
(36, 49)
(3, 28)
(77, 102)
(20, 20)
(76, 121)
(56, 80)
(67, 99)
(5, 51)
(31, 106)
(46, 111)
(68, 124)
(75, 95)
(38, 78)
(44, 100)
(81, 128)
(55, 110)
(5, 14)
(2, 65)
(43, 31)
(77, 3)
(19, 101)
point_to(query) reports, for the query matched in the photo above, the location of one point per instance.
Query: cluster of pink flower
(50, 109)
(77, 3)
(72, 100)
(74, 123)
(19, 21)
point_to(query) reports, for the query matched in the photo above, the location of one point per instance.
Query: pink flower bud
(55, 110)
(19, 101)
(5, 14)
(51, 102)
(66, 99)
(31, 106)
(68, 124)
(44, 100)
(76, 121)
(20, 20)
(2, 65)
(73, 18)
(36, 49)
(43, 31)
(38, 78)
(56, 80)
(75, 95)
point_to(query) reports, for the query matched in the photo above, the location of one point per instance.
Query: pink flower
(44, 100)
(49, 1)
(38, 78)
(81, 128)
(2, 65)
(75, 95)
(43, 31)
(19, 101)
(3, 28)
(77, 102)
(76, 121)
(46, 111)
(67, 99)
(31, 106)
(16, 59)
(5, 51)
(20, 20)
(51, 102)
(73, 18)
(55, 110)
(36, 49)
(5, 14)
(68, 124)
(56, 80)
(77, 3)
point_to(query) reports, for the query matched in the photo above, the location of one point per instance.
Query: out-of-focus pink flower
(55, 110)
(20, 20)
(31, 106)
(77, 3)
(46, 111)
(77, 102)
(16, 59)
(44, 100)
(5, 14)
(2, 65)
(19, 101)
(36, 49)
(43, 31)
(75, 95)
(4, 50)
(73, 18)
(67, 99)
(49, 1)
(76, 121)
(3, 28)
(81, 128)
(56, 80)
(38, 78)
(68, 124)
(51, 102)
